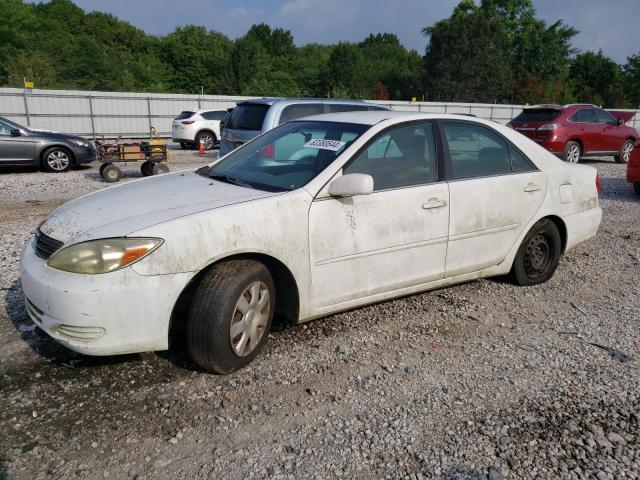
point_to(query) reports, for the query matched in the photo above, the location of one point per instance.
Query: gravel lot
(480, 381)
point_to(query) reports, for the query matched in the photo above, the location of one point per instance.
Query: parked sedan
(579, 130)
(54, 152)
(314, 217)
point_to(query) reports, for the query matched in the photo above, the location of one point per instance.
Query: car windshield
(247, 116)
(287, 157)
(537, 115)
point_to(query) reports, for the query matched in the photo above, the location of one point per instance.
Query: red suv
(633, 169)
(574, 131)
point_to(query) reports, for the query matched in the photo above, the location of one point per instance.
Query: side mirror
(15, 132)
(351, 184)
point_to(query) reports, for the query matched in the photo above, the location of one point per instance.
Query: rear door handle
(532, 187)
(434, 203)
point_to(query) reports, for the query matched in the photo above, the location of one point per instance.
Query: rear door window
(475, 151)
(585, 115)
(293, 112)
(184, 115)
(247, 116)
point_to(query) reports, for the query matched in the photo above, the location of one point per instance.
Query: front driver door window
(14, 149)
(495, 191)
(396, 237)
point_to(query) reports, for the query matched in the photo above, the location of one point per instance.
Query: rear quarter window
(184, 115)
(214, 115)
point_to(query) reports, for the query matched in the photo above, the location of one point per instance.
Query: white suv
(191, 128)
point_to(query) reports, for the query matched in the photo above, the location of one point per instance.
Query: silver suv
(251, 118)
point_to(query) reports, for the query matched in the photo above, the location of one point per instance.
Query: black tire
(570, 152)
(538, 255)
(147, 168)
(102, 167)
(57, 160)
(636, 188)
(623, 156)
(214, 309)
(184, 145)
(160, 168)
(209, 139)
(111, 173)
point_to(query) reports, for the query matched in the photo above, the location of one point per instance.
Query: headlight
(102, 256)
(80, 143)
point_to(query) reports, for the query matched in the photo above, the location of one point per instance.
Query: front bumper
(84, 155)
(109, 314)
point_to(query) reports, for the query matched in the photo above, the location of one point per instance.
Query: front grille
(45, 245)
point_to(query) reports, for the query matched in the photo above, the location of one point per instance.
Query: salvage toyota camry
(314, 217)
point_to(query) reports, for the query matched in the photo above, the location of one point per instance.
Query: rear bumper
(582, 226)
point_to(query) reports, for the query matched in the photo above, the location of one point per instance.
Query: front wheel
(56, 160)
(147, 168)
(625, 152)
(230, 315)
(538, 255)
(572, 152)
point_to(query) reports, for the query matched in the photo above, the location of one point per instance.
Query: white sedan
(314, 217)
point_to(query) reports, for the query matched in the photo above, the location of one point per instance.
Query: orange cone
(201, 148)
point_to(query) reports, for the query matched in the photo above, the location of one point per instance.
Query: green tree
(198, 59)
(467, 57)
(597, 79)
(632, 80)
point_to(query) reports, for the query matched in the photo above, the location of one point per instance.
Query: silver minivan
(251, 118)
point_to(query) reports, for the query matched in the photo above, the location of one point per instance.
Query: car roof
(374, 117)
(289, 101)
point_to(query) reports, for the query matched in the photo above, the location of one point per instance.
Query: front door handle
(532, 187)
(434, 203)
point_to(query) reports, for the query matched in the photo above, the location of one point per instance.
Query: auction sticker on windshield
(333, 145)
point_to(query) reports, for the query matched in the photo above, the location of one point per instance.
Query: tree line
(492, 51)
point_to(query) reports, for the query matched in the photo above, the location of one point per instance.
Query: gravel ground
(480, 381)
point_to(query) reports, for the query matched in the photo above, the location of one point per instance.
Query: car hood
(125, 209)
(56, 136)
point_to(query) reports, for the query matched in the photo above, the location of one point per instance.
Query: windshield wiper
(231, 180)
(203, 171)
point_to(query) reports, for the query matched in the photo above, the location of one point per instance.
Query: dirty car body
(341, 210)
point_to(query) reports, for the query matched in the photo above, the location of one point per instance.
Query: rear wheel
(572, 152)
(538, 255)
(146, 168)
(208, 138)
(230, 315)
(160, 168)
(56, 159)
(625, 152)
(111, 173)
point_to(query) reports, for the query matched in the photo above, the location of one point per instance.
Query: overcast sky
(610, 25)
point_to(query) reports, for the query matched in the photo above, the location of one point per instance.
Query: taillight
(268, 151)
(548, 126)
(598, 182)
(187, 122)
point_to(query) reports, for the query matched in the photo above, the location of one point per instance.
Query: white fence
(112, 114)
